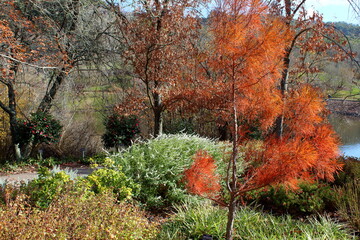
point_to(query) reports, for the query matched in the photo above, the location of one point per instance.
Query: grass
(348, 203)
(354, 94)
(97, 88)
(194, 220)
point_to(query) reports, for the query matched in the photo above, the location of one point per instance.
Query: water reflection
(348, 129)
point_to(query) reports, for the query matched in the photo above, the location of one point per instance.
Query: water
(348, 129)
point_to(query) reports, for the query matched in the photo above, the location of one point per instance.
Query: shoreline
(344, 107)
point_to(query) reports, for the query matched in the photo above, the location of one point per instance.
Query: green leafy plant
(41, 127)
(351, 171)
(120, 130)
(105, 179)
(51, 184)
(307, 199)
(157, 165)
(179, 125)
(46, 187)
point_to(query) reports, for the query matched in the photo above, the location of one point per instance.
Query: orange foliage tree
(158, 40)
(246, 66)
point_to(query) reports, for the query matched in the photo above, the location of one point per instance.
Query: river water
(348, 129)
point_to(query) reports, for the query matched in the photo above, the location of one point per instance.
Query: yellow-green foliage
(104, 179)
(73, 216)
(43, 189)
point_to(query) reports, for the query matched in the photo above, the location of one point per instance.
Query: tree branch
(26, 63)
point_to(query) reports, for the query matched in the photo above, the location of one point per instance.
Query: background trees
(313, 44)
(22, 44)
(57, 35)
(155, 59)
(159, 38)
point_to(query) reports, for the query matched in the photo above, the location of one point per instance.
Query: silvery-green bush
(157, 165)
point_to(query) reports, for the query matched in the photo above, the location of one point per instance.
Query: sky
(333, 10)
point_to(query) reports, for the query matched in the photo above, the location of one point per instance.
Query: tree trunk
(54, 85)
(28, 148)
(231, 179)
(158, 115)
(45, 106)
(231, 217)
(158, 123)
(279, 123)
(11, 110)
(14, 134)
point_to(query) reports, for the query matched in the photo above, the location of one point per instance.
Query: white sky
(333, 10)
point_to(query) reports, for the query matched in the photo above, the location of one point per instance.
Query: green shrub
(351, 171)
(193, 220)
(120, 130)
(45, 162)
(46, 187)
(95, 159)
(179, 125)
(41, 127)
(103, 180)
(309, 198)
(51, 184)
(157, 165)
(76, 215)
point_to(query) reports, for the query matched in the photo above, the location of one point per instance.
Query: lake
(348, 129)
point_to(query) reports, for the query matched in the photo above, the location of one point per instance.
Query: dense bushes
(157, 165)
(51, 184)
(94, 208)
(102, 180)
(46, 187)
(351, 171)
(348, 203)
(41, 127)
(120, 130)
(60, 205)
(309, 198)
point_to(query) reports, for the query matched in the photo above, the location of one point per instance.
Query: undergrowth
(194, 220)
(75, 216)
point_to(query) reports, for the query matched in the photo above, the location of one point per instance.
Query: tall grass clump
(347, 192)
(193, 220)
(348, 203)
(157, 165)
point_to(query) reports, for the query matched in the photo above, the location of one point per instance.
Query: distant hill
(349, 29)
